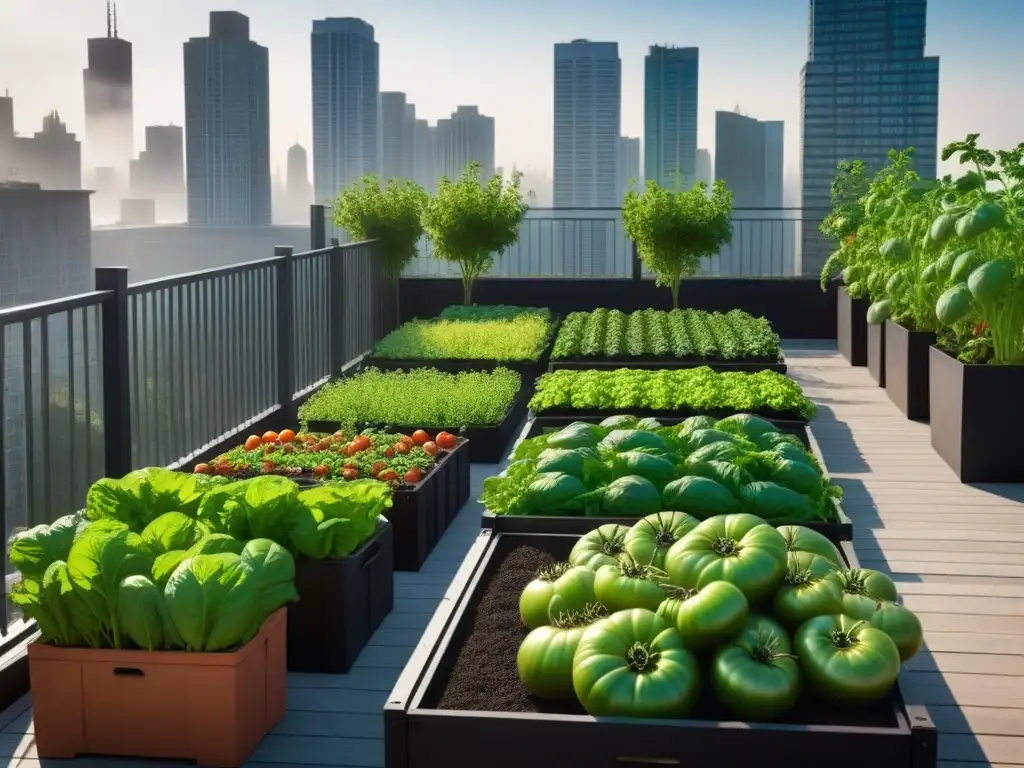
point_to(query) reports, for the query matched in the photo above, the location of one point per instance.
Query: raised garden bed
(341, 604)
(852, 327)
(528, 370)
(975, 424)
(876, 353)
(744, 365)
(838, 531)
(907, 369)
(459, 702)
(570, 414)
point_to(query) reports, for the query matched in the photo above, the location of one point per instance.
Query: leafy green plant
(693, 389)
(983, 218)
(849, 186)
(470, 222)
(421, 397)
(673, 231)
(679, 334)
(391, 215)
(491, 312)
(521, 337)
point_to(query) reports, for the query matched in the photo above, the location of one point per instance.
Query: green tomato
(754, 678)
(573, 591)
(535, 600)
(627, 585)
(633, 664)
(602, 546)
(863, 589)
(545, 661)
(649, 540)
(708, 617)
(557, 590)
(801, 539)
(846, 662)
(741, 549)
(762, 628)
(806, 593)
(900, 624)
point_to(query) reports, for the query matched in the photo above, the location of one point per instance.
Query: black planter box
(341, 604)
(420, 514)
(976, 418)
(907, 368)
(851, 327)
(679, 414)
(837, 531)
(741, 365)
(487, 445)
(418, 734)
(876, 353)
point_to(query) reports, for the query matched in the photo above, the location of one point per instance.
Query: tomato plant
(633, 664)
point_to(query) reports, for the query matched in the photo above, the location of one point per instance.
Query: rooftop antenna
(115, 18)
(108, 19)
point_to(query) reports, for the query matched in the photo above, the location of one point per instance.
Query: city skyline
(769, 49)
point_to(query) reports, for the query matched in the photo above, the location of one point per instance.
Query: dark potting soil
(484, 677)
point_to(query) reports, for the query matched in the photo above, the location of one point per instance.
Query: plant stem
(675, 292)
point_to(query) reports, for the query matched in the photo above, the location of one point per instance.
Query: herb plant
(673, 231)
(491, 312)
(693, 389)
(680, 334)
(391, 215)
(520, 337)
(421, 397)
(470, 222)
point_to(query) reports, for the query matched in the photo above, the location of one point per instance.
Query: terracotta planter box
(876, 353)
(341, 604)
(976, 419)
(851, 327)
(213, 708)
(906, 369)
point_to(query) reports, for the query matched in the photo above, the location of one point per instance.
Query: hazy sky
(499, 55)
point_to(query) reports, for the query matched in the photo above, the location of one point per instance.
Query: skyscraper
(704, 168)
(227, 125)
(629, 165)
(397, 125)
(299, 194)
(159, 172)
(109, 129)
(866, 88)
(423, 139)
(670, 115)
(465, 137)
(748, 158)
(52, 158)
(588, 119)
(346, 89)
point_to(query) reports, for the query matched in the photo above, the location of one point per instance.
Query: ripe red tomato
(252, 442)
(402, 447)
(202, 469)
(430, 448)
(446, 441)
(268, 466)
(420, 437)
(388, 475)
(350, 473)
(286, 436)
(361, 443)
(269, 437)
(378, 467)
(320, 470)
(389, 452)
(413, 476)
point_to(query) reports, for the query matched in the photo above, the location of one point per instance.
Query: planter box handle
(129, 672)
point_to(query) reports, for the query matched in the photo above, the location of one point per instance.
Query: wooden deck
(956, 551)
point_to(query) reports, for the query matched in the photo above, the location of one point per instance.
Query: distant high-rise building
(299, 191)
(397, 132)
(629, 165)
(704, 167)
(346, 92)
(465, 137)
(424, 170)
(588, 120)
(866, 88)
(748, 158)
(159, 172)
(52, 158)
(670, 115)
(227, 125)
(109, 128)
(8, 159)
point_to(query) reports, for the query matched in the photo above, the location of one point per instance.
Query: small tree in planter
(392, 215)
(673, 231)
(470, 222)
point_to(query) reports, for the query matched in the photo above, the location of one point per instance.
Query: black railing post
(117, 409)
(336, 290)
(285, 335)
(317, 228)
(638, 272)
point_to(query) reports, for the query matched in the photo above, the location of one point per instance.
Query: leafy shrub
(422, 397)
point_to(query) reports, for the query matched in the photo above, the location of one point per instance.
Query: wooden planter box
(851, 327)
(423, 728)
(976, 418)
(907, 369)
(341, 604)
(213, 708)
(876, 353)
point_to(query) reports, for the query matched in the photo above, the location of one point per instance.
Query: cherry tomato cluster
(389, 457)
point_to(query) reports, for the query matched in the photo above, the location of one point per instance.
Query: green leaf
(142, 612)
(274, 570)
(173, 531)
(31, 552)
